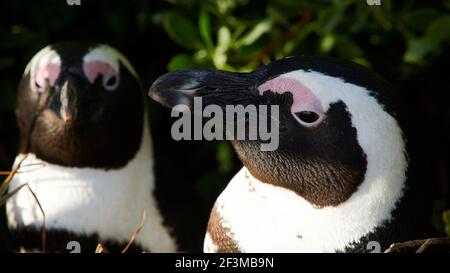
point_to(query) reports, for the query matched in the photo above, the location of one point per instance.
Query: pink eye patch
(47, 71)
(96, 68)
(304, 99)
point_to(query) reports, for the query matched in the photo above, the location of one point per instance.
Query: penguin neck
(292, 224)
(107, 203)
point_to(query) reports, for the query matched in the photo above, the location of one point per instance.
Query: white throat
(261, 217)
(86, 201)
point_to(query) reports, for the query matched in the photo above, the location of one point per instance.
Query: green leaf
(238, 31)
(202, 56)
(417, 49)
(417, 20)
(446, 219)
(329, 18)
(204, 24)
(360, 20)
(224, 157)
(255, 33)
(245, 54)
(223, 41)
(439, 29)
(181, 61)
(438, 218)
(382, 17)
(277, 16)
(224, 6)
(348, 49)
(437, 33)
(299, 37)
(327, 42)
(181, 30)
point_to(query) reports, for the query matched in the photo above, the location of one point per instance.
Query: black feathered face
(331, 124)
(92, 106)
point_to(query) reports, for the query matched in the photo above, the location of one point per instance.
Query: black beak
(64, 101)
(215, 87)
(68, 99)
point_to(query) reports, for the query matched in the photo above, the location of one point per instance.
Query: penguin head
(338, 134)
(90, 106)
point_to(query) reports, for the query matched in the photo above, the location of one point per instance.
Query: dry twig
(136, 232)
(101, 249)
(423, 244)
(4, 196)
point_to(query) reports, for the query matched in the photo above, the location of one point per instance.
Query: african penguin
(339, 177)
(88, 153)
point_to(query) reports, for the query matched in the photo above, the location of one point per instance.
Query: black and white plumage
(339, 177)
(89, 159)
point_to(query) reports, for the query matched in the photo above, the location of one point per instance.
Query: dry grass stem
(136, 232)
(423, 244)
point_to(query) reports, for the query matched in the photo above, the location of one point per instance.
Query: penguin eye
(308, 116)
(111, 83)
(37, 85)
(40, 87)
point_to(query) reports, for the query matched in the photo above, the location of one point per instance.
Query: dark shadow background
(191, 174)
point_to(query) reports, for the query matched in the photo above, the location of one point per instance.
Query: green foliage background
(407, 42)
(239, 35)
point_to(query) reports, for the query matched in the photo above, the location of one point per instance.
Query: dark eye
(111, 83)
(40, 86)
(307, 116)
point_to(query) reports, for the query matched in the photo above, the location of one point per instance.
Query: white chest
(264, 218)
(82, 200)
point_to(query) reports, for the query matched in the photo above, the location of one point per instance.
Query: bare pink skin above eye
(95, 68)
(304, 99)
(48, 71)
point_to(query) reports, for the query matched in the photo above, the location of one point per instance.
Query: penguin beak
(68, 102)
(214, 87)
(222, 89)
